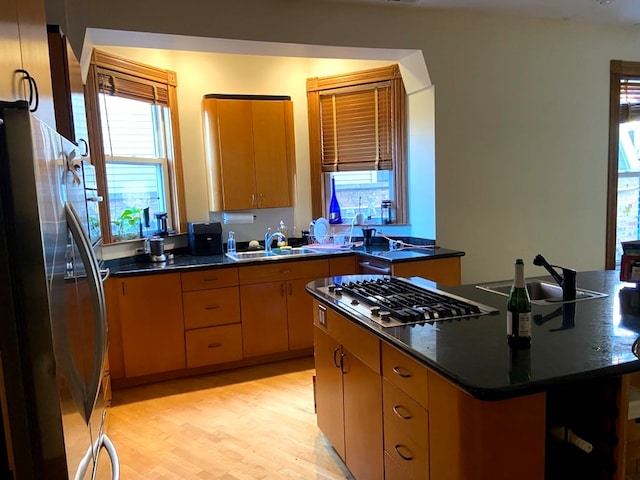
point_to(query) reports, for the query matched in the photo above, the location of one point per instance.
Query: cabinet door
(329, 404)
(68, 90)
(35, 54)
(272, 161)
(299, 314)
(362, 418)
(236, 154)
(11, 59)
(151, 324)
(440, 270)
(264, 318)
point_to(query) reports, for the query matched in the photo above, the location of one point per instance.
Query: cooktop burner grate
(393, 301)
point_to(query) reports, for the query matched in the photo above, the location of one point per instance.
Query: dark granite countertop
(183, 261)
(581, 341)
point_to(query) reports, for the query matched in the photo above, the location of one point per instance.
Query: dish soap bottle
(282, 242)
(334, 206)
(519, 310)
(231, 243)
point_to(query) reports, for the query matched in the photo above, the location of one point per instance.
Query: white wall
(521, 111)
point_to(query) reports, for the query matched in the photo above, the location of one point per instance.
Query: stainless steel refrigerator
(53, 330)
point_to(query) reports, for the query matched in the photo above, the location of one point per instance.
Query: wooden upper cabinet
(35, 55)
(11, 58)
(68, 90)
(249, 147)
(272, 142)
(23, 35)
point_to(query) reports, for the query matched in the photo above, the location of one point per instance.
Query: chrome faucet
(567, 280)
(268, 238)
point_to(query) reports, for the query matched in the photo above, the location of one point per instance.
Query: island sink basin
(541, 292)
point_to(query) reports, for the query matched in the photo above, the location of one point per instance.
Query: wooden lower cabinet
(349, 393)
(329, 396)
(276, 309)
(441, 270)
(406, 433)
(213, 345)
(404, 421)
(264, 318)
(151, 324)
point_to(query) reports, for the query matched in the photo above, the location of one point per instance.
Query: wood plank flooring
(253, 423)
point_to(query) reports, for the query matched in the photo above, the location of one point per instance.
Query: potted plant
(126, 225)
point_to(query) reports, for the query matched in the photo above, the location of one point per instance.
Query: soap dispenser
(282, 242)
(231, 243)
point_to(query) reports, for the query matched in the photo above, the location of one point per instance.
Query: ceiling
(620, 12)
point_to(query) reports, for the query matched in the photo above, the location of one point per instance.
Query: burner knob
(385, 315)
(375, 311)
(337, 291)
(332, 287)
(354, 302)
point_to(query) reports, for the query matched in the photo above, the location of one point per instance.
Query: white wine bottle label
(523, 326)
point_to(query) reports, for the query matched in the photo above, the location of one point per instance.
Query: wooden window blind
(629, 99)
(122, 85)
(356, 128)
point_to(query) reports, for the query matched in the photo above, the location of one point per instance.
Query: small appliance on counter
(205, 238)
(156, 249)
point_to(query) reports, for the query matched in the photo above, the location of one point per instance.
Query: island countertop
(580, 341)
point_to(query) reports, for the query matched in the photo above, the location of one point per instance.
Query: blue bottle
(334, 206)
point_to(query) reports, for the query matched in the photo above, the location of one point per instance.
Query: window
(623, 206)
(132, 139)
(357, 124)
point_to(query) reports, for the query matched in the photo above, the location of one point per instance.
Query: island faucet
(268, 238)
(567, 280)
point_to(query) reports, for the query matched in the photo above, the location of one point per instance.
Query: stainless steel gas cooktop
(393, 301)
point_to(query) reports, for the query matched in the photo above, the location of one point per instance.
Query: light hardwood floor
(244, 424)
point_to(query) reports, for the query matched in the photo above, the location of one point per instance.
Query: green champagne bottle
(519, 310)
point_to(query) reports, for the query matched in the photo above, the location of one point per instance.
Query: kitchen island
(478, 409)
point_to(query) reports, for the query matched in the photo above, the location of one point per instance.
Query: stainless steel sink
(273, 255)
(541, 292)
(239, 256)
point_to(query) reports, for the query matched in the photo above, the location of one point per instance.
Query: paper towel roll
(234, 218)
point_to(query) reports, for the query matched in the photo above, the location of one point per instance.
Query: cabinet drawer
(214, 278)
(208, 308)
(406, 374)
(406, 432)
(358, 341)
(208, 346)
(278, 271)
(342, 265)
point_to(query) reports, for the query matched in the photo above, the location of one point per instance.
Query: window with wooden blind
(132, 110)
(357, 136)
(623, 189)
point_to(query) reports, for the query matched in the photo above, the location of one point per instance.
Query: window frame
(146, 75)
(318, 85)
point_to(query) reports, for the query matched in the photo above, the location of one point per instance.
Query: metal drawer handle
(335, 360)
(404, 414)
(212, 307)
(214, 345)
(406, 456)
(401, 372)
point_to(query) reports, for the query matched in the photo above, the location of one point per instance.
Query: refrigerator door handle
(92, 453)
(98, 301)
(104, 274)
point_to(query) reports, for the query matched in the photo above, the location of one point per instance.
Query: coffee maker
(161, 224)
(205, 238)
